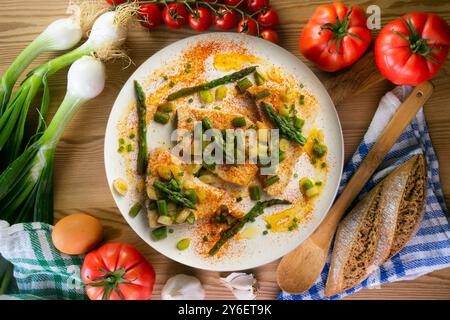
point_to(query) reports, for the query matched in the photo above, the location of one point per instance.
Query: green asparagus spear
(257, 210)
(212, 84)
(175, 196)
(286, 129)
(142, 129)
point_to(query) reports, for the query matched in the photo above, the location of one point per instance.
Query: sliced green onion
(255, 192)
(206, 123)
(244, 84)
(160, 117)
(166, 107)
(239, 122)
(159, 233)
(183, 244)
(162, 207)
(135, 209)
(272, 180)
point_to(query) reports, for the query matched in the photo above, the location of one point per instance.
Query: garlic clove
(183, 287)
(242, 285)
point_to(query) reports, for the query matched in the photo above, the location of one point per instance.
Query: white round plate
(263, 249)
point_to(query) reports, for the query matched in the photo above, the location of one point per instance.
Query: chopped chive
(255, 192)
(129, 148)
(162, 118)
(135, 209)
(302, 99)
(244, 84)
(165, 78)
(120, 149)
(191, 195)
(171, 230)
(166, 107)
(281, 156)
(180, 174)
(318, 183)
(268, 226)
(253, 126)
(132, 135)
(189, 120)
(152, 205)
(159, 233)
(190, 100)
(295, 175)
(217, 108)
(298, 123)
(271, 181)
(265, 232)
(261, 94)
(239, 122)
(162, 207)
(323, 165)
(238, 199)
(205, 238)
(207, 124)
(307, 184)
(301, 85)
(121, 140)
(259, 79)
(172, 84)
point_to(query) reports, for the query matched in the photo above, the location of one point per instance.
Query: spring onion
(26, 187)
(59, 35)
(105, 37)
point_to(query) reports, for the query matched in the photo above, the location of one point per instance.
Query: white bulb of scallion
(26, 186)
(59, 35)
(106, 36)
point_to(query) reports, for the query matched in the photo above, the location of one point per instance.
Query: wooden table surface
(80, 181)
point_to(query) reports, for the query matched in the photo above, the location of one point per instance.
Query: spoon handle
(301, 257)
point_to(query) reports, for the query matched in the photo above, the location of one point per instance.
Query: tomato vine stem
(213, 6)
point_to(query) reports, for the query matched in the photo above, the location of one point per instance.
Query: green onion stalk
(108, 33)
(60, 35)
(26, 186)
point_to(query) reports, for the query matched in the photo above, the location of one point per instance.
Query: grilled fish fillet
(240, 174)
(210, 198)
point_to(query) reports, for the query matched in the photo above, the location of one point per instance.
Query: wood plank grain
(80, 181)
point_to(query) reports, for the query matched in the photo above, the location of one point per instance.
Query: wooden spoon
(299, 270)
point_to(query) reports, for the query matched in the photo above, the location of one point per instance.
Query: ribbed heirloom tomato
(412, 49)
(117, 271)
(335, 36)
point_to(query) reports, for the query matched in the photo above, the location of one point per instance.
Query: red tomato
(226, 19)
(268, 18)
(201, 19)
(150, 15)
(256, 5)
(175, 15)
(412, 49)
(117, 271)
(116, 2)
(335, 36)
(270, 35)
(248, 26)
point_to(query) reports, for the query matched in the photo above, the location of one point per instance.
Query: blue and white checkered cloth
(429, 249)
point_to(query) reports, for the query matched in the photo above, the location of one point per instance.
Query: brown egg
(77, 233)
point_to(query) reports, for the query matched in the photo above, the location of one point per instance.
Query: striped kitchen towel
(429, 249)
(40, 270)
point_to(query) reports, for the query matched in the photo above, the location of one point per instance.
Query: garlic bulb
(242, 285)
(183, 287)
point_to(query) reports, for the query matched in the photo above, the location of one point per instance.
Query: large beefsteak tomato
(117, 271)
(412, 49)
(335, 36)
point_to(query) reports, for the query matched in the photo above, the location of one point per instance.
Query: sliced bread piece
(355, 244)
(364, 241)
(405, 188)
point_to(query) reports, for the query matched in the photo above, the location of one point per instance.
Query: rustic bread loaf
(379, 226)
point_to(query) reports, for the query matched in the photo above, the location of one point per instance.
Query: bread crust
(401, 200)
